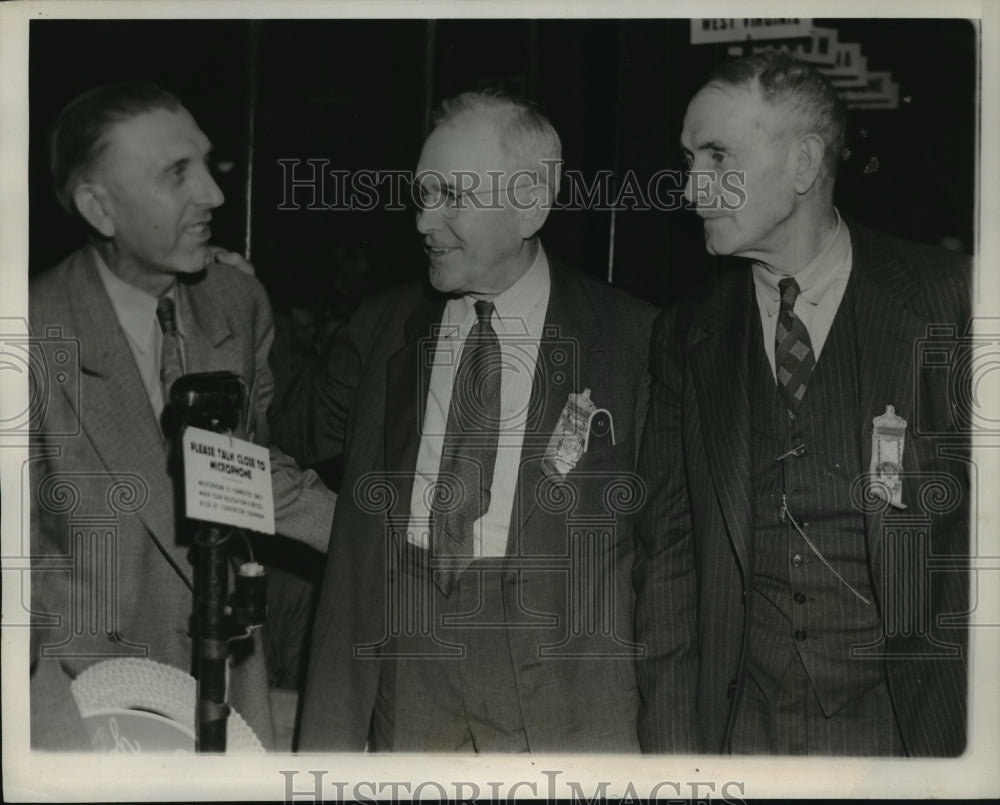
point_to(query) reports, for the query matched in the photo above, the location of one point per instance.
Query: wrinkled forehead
(466, 146)
(724, 110)
(157, 136)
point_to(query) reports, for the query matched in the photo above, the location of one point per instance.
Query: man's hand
(234, 259)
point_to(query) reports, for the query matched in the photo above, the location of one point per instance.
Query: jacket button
(731, 689)
(800, 634)
(799, 598)
(797, 560)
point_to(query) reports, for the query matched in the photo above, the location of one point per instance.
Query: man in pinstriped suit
(791, 447)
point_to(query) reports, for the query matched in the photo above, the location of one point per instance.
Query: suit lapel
(114, 409)
(209, 342)
(572, 330)
(719, 366)
(206, 329)
(408, 377)
(886, 329)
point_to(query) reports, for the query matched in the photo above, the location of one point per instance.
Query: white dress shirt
(136, 313)
(518, 319)
(821, 287)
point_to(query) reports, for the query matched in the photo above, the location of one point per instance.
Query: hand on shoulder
(234, 259)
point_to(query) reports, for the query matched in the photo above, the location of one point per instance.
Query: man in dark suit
(805, 474)
(477, 594)
(147, 299)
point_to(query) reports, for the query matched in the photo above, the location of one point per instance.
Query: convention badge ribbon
(888, 443)
(569, 440)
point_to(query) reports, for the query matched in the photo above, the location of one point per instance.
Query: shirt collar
(815, 278)
(134, 308)
(512, 308)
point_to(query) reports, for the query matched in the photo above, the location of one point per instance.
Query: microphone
(210, 401)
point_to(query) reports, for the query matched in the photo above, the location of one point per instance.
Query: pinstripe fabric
(694, 536)
(105, 444)
(796, 724)
(801, 610)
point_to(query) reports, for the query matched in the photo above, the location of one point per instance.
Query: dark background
(358, 93)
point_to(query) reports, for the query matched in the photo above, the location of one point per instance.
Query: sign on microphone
(227, 481)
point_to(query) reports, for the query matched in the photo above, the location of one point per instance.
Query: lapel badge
(886, 469)
(569, 440)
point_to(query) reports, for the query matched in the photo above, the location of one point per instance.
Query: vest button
(800, 634)
(796, 561)
(799, 598)
(731, 689)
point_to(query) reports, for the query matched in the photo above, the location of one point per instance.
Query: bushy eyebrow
(712, 145)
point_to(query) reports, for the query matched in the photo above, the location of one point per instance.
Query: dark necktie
(170, 348)
(469, 454)
(794, 359)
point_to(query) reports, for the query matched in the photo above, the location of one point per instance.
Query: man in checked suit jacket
(531, 649)
(784, 592)
(131, 162)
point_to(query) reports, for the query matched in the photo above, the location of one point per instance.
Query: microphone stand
(212, 401)
(211, 591)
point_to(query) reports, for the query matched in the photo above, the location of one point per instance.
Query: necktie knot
(165, 314)
(484, 312)
(789, 289)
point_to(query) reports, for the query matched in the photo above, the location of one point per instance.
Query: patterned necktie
(465, 476)
(794, 359)
(170, 348)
